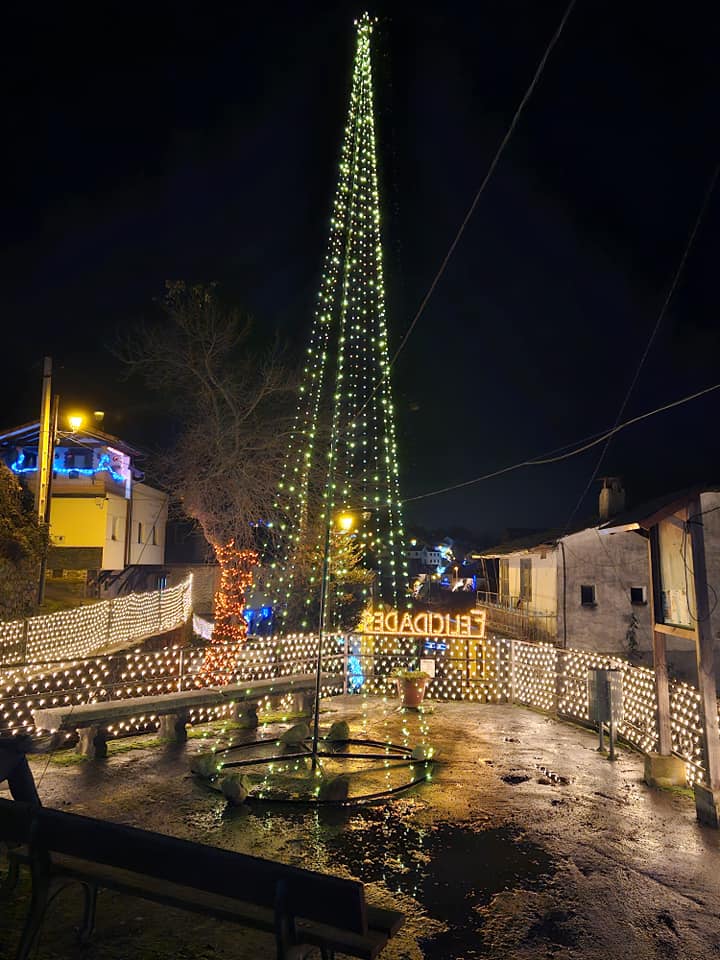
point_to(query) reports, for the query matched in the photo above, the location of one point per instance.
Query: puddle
(448, 869)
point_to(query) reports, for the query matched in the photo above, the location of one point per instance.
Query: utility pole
(44, 463)
(707, 796)
(46, 454)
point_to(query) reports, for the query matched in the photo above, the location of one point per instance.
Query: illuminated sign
(395, 623)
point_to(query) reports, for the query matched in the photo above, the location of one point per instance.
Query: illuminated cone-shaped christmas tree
(342, 458)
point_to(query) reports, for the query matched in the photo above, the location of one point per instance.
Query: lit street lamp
(345, 523)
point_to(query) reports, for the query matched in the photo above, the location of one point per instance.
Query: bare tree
(234, 412)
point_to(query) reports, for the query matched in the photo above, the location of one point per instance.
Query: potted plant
(411, 685)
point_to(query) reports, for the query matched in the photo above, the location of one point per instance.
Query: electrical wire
(702, 513)
(661, 316)
(481, 189)
(544, 459)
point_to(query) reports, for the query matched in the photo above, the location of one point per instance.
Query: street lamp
(76, 421)
(344, 522)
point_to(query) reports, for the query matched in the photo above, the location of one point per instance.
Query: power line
(651, 339)
(481, 189)
(545, 459)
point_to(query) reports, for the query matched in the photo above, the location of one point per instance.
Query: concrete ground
(526, 843)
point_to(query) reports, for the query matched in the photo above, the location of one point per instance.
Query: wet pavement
(525, 843)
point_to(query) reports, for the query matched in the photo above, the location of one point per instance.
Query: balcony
(518, 618)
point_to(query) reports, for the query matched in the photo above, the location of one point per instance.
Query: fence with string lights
(555, 681)
(496, 670)
(143, 673)
(538, 675)
(77, 632)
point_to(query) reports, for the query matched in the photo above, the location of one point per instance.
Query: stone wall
(612, 564)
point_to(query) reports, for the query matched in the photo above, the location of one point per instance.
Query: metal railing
(519, 618)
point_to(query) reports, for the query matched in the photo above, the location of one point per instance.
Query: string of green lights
(355, 469)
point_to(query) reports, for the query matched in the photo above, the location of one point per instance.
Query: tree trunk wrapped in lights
(236, 575)
(230, 630)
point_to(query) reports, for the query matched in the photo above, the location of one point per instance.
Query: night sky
(200, 141)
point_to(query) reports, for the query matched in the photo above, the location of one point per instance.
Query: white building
(424, 558)
(580, 589)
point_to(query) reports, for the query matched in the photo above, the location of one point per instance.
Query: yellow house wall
(544, 582)
(78, 521)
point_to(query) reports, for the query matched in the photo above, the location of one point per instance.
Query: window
(587, 594)
(116, 528)
(676, 592)
(78, 459)
(153, 536)
(140, 533)
(526, 580)
(638, 595)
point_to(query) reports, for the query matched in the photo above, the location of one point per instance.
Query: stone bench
(90, 720)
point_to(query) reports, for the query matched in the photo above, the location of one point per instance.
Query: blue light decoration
(257, 619)
(434, 645)
(355, 675)
(103, 466)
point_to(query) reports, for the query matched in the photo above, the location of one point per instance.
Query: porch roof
(646, 515)
(27, 434)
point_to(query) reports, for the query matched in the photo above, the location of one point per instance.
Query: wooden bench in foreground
(303, 909)
(91, 720)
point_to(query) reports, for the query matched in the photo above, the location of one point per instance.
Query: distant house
(106, 525)
(576, 587)
(423, 558)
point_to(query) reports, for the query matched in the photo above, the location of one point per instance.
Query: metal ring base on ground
(399, 757)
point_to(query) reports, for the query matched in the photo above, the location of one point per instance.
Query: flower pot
(411, 692)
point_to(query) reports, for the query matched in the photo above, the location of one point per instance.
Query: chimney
(612, 498)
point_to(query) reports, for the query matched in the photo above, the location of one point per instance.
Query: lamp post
(346, 523)
(49, 405)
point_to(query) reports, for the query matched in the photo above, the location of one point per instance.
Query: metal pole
(513, 689)
(346, 661)
(43, 462)
(321, 631)
(50, 451)
(611, 724)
